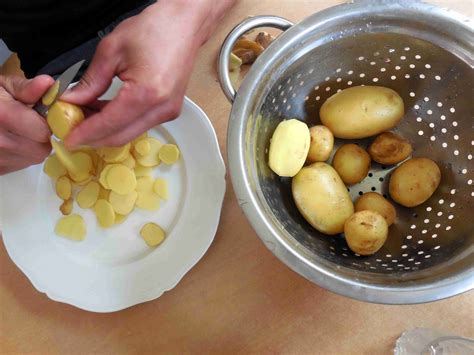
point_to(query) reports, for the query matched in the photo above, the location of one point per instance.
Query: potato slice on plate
(169, 153)
(142, 171)
(121, 179)
(66, 207)
(64, 188)
(129, 162)
(104, 194)
(142, 147)
(152, 234)
(88, 196)
(72, 227)
(120, 218)
(123, 204)
(103, 175)
(114, 154)
(53, 167)
(147, 198)
(139, 138)
(150, 159)
(160, 186)
(105, 213)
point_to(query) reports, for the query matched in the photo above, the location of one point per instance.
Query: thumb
(24, 90)
(97, 78)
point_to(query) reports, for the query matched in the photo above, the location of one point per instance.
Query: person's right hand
(24, 134)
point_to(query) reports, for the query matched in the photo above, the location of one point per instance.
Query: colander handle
(228, 44)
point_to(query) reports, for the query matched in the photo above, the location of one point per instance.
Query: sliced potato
(83, 167)
(115, 154)
(123, 204)
(152, 158)
(121, 179)
(147, 198)
(152, 234)
(142, 171)
(62, 117)
(160, 186)
(53, 167)
(66, 207)
(139, 138)
(72, 227)
(93, 154)
(169, 153)
(104, 194)
(129, 162)
(103, 175)
(88, 196)
(120, 218)
(83, 182)
(51, 94)
(105, 213)
(64, 188)
(142, 147)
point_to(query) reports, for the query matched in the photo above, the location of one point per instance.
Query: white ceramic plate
(114, 269)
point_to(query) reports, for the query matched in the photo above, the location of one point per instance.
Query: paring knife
(64, 80)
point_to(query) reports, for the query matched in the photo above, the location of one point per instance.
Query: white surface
(113, 268)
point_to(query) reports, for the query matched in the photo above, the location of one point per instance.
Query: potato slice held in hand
(79, 165)
(151, 159)
(51, 94)
(53, 167)
(105, 213)
(88, 196)
(366, 232)
(72, 227)
(64, 188)
(121, 179)
(289, 147)
(152, 234)
(169, 154)
(62, 117)
(147, 198)
(123, 204)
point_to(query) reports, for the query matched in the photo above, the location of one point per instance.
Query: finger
(24, 90)
(130, 104)
(21, 120)
(98, 75)
(14, 145)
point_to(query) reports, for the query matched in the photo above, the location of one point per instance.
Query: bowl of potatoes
(350, 148)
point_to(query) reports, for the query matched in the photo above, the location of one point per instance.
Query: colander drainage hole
(381, 179)
(370, 174)
(415, 215)
(384, 167)
(361, 193)
(373, 188)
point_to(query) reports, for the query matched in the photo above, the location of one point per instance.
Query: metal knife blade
(64, 80)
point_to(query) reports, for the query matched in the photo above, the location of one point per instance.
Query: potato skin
(413, 182)
(352, 163)
(389, 148)
(362, 111)
(321, 144)
(322, 198)
(365, 232)
(374, 201)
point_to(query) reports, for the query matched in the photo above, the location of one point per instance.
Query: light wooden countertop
(239, 298)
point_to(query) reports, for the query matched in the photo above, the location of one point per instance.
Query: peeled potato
(289, 147)
(152, 234)
(147, 198)
(105, 213)
(160, 186)
(142, 147)
(123, 204)
(79, 165)
(374, 201)
(169, 154)
(129, 162)
(66, 207)
(121, 179)
(71, 227)
(64, 188)
(366, 232)
(321, 144)
(352, 163)
(142, 170)
(62, 117)
(120, 218)
(88, 196)
(115, 154)
(150, 159)
(389, 148)
(53, 167)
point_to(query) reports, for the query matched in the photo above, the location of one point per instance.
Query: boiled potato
(152, 234)
(104, 194)
(72, 227)
(389, 148)
(51, 94)
(64, 188)
(83, 182)
(151, 159)
(289, 147)
(142, 147)
(129, 162)
(123, 204)
(352, 163)
(103, 175)
(120, 218)
(147, 198)
(362, 111)
(142, 170)
(121, 179)
(160, 187)
(66, 207)
(105, 213)
(139, 138)
(115, 154)
(88, 196)
(322, 198)
(374, 201)
(79, 165)
(169, 153)
(321, 144)
(365, 232)
(53, 167)
(62, 117)
(413, 182)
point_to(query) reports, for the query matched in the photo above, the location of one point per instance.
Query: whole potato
(362, 111)
(365, 232)
(413, 182)
(289, 147)
(322, 198)
(352, 163)
(389, 148)
(321, 144)
(374, 201)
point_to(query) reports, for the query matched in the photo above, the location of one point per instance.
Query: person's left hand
(153, 54)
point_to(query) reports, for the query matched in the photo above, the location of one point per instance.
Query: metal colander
(426, 55)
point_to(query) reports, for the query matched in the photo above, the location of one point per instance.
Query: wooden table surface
(239, 298)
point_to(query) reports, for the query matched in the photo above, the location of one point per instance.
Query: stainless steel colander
(423, 52)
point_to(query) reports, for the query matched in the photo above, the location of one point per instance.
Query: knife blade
(64, 80)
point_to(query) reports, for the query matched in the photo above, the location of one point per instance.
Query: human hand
(24, 134)
(153, 54)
